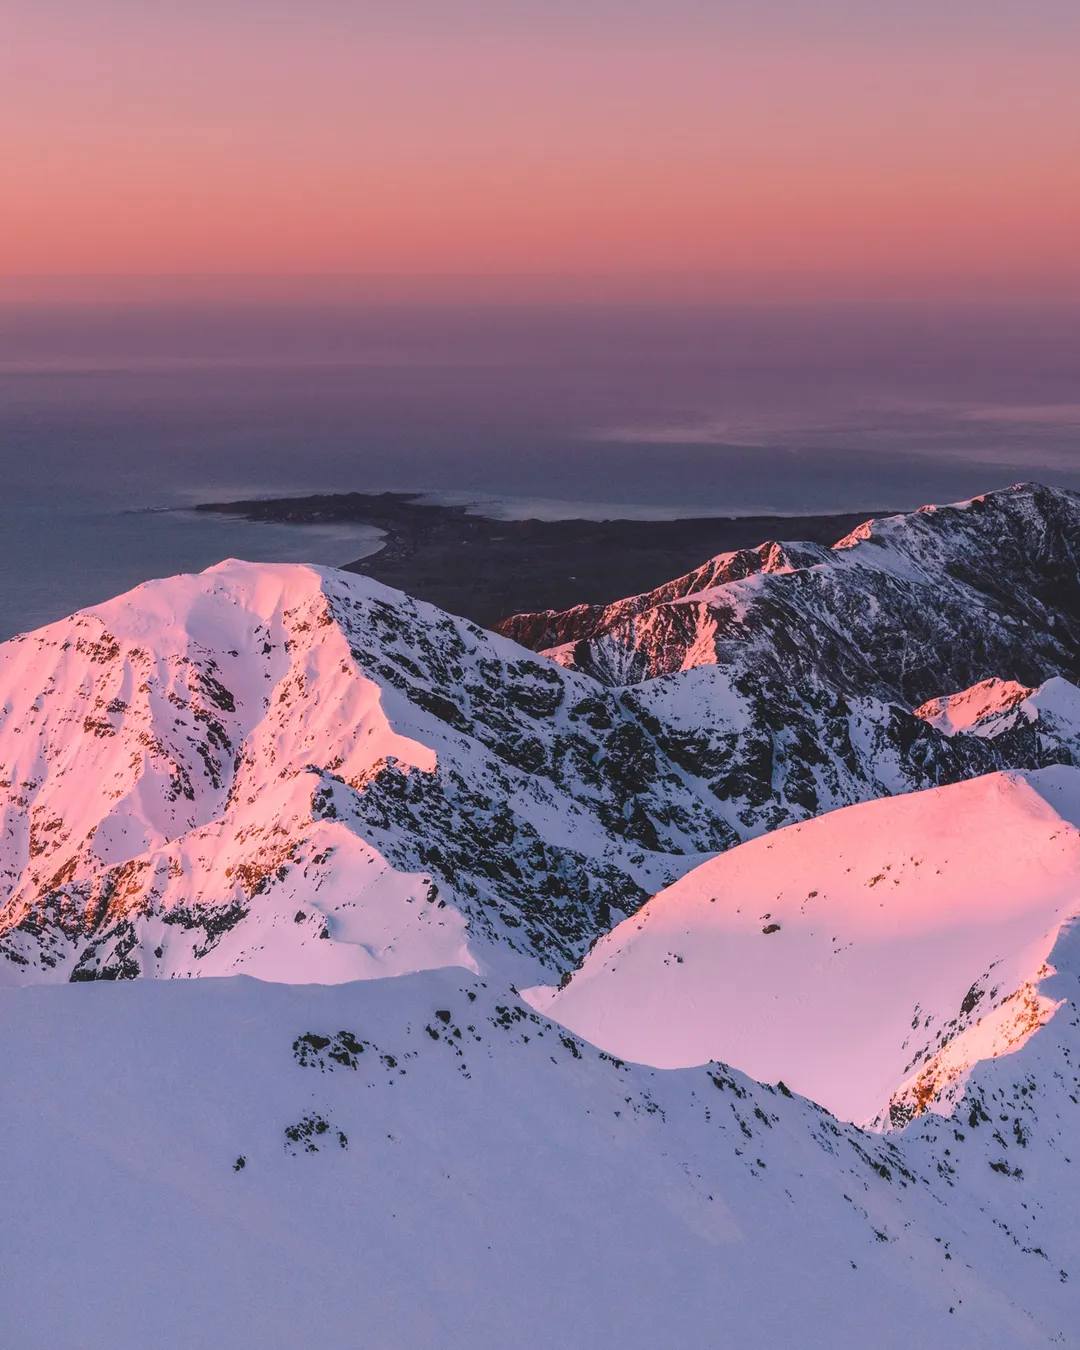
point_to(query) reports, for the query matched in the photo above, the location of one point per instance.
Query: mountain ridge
(210, 756)
(906, 608)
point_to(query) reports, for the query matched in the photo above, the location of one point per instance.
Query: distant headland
(486, 570)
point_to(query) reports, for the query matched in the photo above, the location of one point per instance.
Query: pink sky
(160, 138)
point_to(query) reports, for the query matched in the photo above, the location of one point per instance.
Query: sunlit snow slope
(163, 753)
(866, 958)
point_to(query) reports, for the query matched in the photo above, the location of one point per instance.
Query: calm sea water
(113, 417)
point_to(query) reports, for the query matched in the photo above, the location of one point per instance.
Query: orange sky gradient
(155, 138)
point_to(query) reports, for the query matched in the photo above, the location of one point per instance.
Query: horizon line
(684, 286)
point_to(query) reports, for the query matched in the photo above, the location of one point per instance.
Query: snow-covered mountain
(422, 1163)
(808, 813)
(906, 608)
(261, 766)
(868, 958)
(302, 774)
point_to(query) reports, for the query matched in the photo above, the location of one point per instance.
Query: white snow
(499, 1184)
(170, 730)
(836, 955)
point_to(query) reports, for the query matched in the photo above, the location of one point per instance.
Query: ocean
(115, 418)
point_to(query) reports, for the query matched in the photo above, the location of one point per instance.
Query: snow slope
(969, 709)
(422, 1164)
(867, 958)
(154, 795)
(1004, 712)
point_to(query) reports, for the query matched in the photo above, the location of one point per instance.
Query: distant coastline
(487, 569)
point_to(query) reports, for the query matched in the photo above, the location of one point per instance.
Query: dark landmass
(487, 570)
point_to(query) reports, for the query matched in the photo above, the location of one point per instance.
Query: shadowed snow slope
(867, 958)
(422, 1164)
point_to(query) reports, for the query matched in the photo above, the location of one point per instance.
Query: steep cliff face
(905, 609)
(551, 628)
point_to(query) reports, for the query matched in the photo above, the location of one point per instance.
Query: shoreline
(486, 569)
